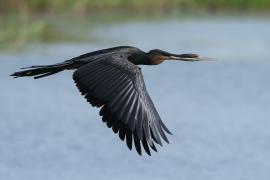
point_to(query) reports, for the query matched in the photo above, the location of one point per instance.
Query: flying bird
(111, 80)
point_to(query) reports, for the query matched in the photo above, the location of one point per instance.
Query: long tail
(43, 71)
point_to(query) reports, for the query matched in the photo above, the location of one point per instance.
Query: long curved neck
(143, 58)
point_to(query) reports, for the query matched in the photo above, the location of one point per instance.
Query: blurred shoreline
(60, 21)
(139, 6)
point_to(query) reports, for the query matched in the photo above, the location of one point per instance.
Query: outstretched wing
(117, 86)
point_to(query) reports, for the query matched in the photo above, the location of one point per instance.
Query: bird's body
(111, 80)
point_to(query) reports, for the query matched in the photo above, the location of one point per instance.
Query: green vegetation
(86, 6)
(45, 20)
(17, 33)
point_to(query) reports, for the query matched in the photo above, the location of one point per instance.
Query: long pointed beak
(189, 57)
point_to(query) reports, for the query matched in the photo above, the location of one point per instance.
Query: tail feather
(42, 71)
(47, 74)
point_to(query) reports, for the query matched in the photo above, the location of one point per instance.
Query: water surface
(218, 111)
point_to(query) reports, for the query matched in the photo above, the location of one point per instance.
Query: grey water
(217, 110)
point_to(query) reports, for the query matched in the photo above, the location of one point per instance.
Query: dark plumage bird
(111, 80)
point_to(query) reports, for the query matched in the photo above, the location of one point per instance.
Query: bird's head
(157, 56)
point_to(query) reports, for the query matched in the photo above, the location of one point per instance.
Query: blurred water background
(218, 111)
